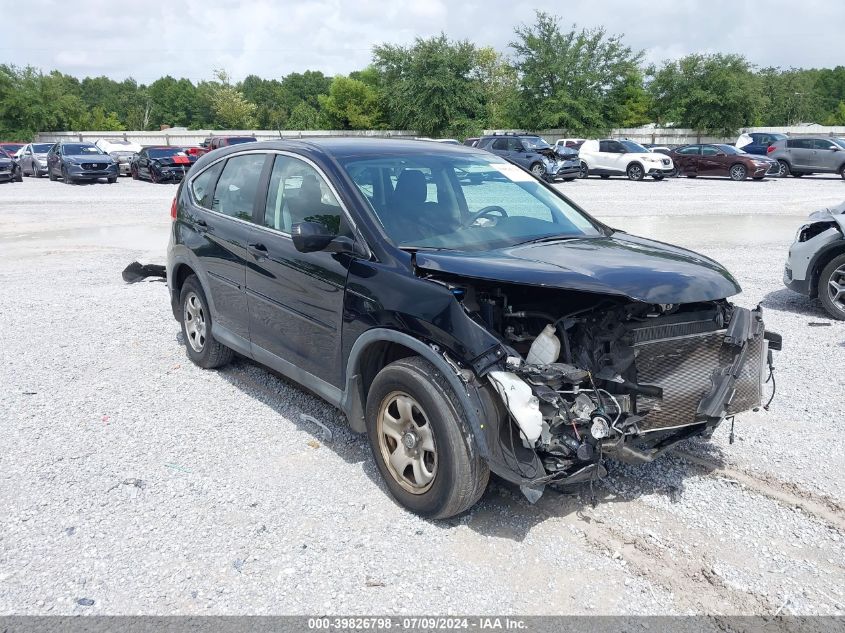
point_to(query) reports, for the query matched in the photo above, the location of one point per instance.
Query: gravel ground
(133, 482)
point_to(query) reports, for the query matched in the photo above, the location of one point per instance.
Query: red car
(195, 152)
(721, 160)
(11, 147)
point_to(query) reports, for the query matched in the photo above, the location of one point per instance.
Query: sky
(190, 38)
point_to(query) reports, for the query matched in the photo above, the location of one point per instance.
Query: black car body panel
(330, 319)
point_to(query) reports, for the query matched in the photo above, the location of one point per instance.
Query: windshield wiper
(550, 238)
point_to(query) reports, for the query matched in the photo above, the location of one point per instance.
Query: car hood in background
(89, 158)
(621, 264)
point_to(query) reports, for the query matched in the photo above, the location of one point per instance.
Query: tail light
(173, 210)
(770, 149)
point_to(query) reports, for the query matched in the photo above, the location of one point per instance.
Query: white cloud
(273, 38)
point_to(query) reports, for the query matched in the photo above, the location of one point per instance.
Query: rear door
(801, 152)
(223, 220)
(686, 159)
(296, 299)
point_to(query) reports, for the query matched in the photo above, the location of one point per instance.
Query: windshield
(75, 149)
(839, 141)
(631, 146)
(534, 142)
(235, 140)
(460, 202)
(41, 148)
(730, 149)
(165, 152)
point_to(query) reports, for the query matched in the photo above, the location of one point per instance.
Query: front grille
(682, 367)
(94, 165)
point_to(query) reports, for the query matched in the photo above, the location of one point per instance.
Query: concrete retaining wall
(182, 137)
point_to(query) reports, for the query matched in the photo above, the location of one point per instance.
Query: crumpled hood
(621, 264)
(837, 214)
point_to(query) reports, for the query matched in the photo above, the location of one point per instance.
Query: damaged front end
(580, 378)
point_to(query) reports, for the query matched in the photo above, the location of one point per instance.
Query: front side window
(631, 146)
(823, 143)
(235, 192)
(298, 193)
(459, 202)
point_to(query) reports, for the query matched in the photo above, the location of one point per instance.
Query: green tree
(499, 85)
(791, 97)
(350, 105)
(304, 117)
(569, 79)
(430, 86)
(711, 93)
(231, 109)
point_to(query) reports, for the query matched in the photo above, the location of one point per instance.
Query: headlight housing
(811, 230)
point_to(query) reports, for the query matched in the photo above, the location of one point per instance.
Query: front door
(801, 152)
(711, 162)
(825, 157)
(687, 159)
(296, 299)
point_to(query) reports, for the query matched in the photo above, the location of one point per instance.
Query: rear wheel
(738, 172)
(202, 348)
(421, 442)
(832, 287)
(635, 171)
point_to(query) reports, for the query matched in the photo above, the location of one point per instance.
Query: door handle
(258, 250)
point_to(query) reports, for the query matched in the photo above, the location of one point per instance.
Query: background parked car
(721, 160)
(610, 157)
(757, 142)
(571, 143)
(215, 142)
(11, 148)
(161, 164)
(472, 141)
(533, 153)
(33, 159)
(658, 149)
(816, 263)
(121, 151)
(803, 156)
(9, 168)
(196, 152)
(74, 162)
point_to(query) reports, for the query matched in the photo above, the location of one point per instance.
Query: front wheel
(538, 170)
(584, 171)
(635, 171)
(112, 180)
(738, 172)
(51, 174)
(842, 172)
(832, 288)
(657, 176)
(68, 180)
(202, 348)
(420, 440)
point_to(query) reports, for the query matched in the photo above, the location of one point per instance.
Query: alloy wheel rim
(635, 172)
(583, 172)
(538, 170)
(195, 324)
(406, 442)
(738, 172)
(836, 288)
(781, 169)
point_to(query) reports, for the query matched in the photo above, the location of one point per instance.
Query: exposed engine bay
(587, 377)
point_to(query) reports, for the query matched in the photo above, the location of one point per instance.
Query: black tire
(635, 171)
(65, 177)
(692, 175)
(51, 174)
(784, 170)
(738, 172)
(112, 180)
(835, 267)
(657, 176)
(842, 171)
(585, 171)
(209, 352)
(460, 476)
(797, 174)
(538, 170)
(36, 172)
(19, 177)
(134, 173)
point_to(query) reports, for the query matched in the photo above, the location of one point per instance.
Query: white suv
(609, 157)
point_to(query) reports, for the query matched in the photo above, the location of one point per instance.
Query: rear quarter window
(202, 187)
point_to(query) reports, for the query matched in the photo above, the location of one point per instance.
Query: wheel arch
(378, 347)
(822, 259)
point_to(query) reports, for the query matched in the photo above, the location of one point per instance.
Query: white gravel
(131, 478)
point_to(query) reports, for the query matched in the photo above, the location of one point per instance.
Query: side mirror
(309, 237)
(834, 148)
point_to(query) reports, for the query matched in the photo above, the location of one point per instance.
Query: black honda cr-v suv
(464, 314)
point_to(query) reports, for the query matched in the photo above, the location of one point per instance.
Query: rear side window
(235, 192)
(799, 143)
(298, 193)
(203, 185)
(687, 151)
(709, 150)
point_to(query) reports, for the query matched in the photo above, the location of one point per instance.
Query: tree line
(586, 81)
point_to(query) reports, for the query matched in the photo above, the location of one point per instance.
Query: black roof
(347, 147)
